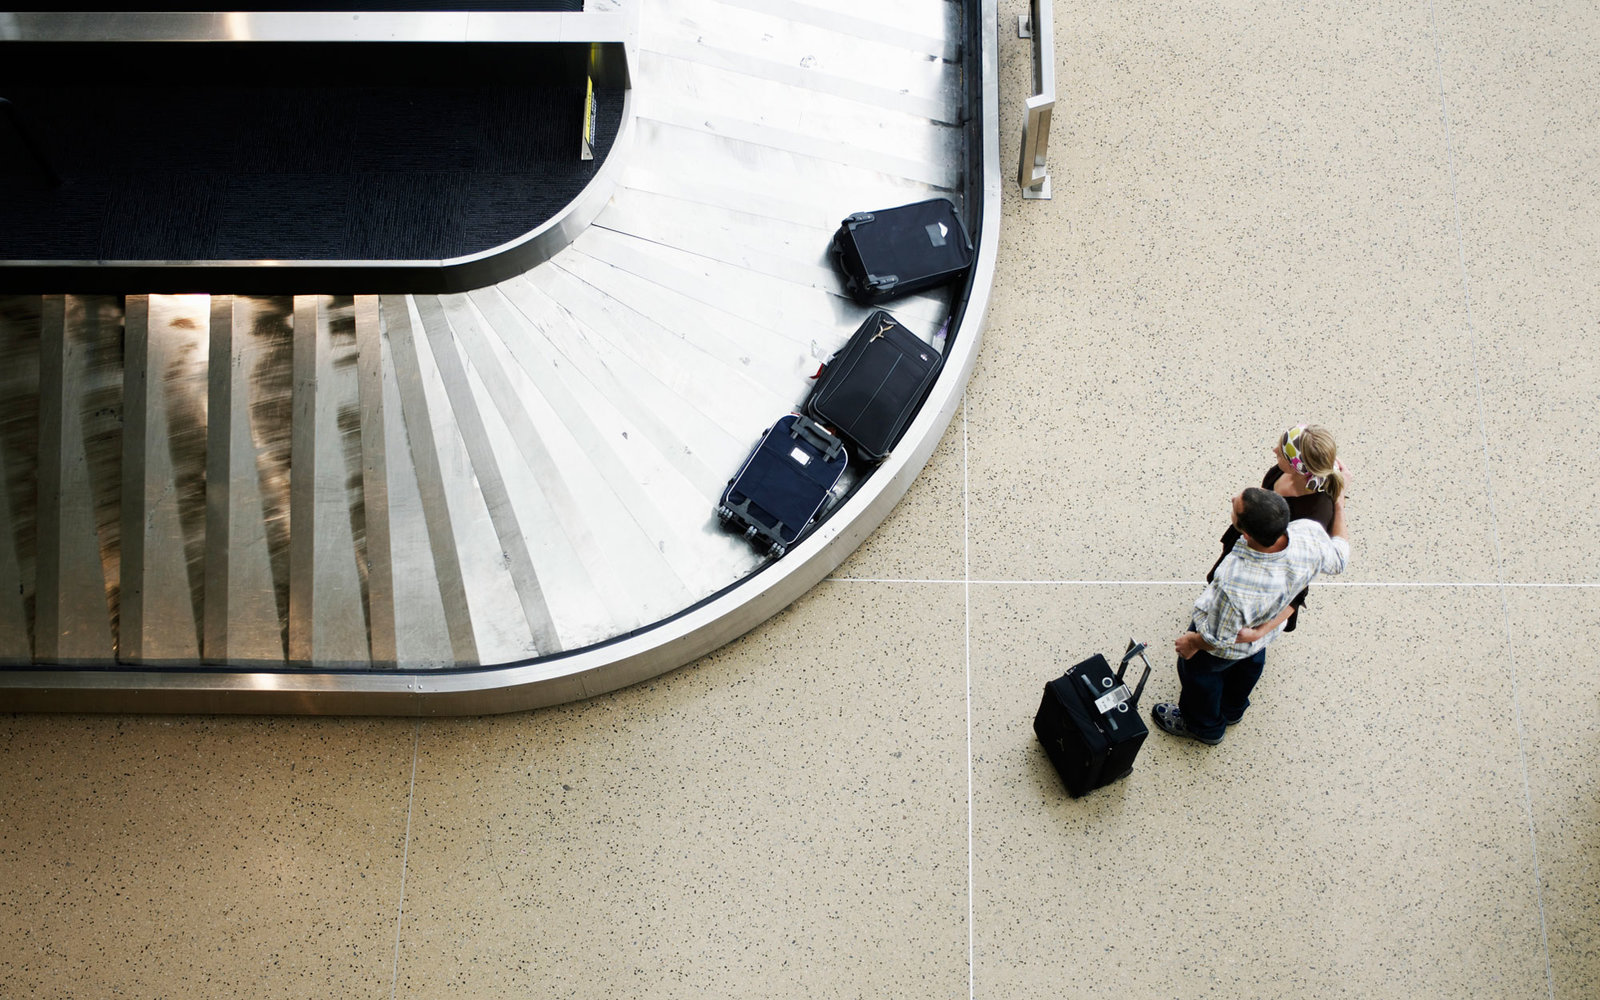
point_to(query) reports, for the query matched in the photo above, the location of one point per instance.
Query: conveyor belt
(226, 493)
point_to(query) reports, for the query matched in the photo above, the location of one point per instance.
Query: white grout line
(1447, 584)
(405, 857)
(966, 572)
(1488, 482)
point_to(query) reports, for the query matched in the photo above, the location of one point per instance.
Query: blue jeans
(1215, 689)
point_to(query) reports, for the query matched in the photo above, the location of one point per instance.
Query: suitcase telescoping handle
(1135, 648)
(1118, 698)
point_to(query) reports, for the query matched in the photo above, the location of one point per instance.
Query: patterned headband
(1291, 451)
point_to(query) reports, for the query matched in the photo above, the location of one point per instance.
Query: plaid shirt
(1251, 587)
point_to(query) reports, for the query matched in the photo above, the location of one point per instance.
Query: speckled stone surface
(923, 538)
(786, 818)
(195, 857)
(1251, 226)
(1558, 694)
(1521, 98)
(1361, 833)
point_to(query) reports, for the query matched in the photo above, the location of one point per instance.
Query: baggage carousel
(483, 482)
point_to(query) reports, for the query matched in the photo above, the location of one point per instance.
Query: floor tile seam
(1346, 584)
(1488, 482)
(405, 859)
(966, 617)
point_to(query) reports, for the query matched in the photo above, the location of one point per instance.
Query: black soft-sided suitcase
(1089, 722)
(782, 486)
(870, 390)
(896, 251)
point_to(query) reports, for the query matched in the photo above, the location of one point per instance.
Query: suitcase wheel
(751, 532)
(777, 550)
(725, 514)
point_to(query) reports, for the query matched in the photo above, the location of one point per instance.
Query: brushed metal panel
(163, 468)
(613, 499)
(469, 421)
(73, 619)
(794, 311)
(327, 592)
(937, 19)
(794, 254)
(932, 34)
(813, 192)
(20, 319)
(735, 349)
(857, 133)
(375, 483)
(667, 366)
(244, 624)
(895, 74)
(682, 532)
(425, 571)
(15, 646)
(556, 402)
(492, 602)
(544, 480)
(696, 443)
(600, 389)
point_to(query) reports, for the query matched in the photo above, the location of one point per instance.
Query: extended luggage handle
(1117, 697)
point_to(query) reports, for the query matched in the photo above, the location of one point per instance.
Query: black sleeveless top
(1316, 507)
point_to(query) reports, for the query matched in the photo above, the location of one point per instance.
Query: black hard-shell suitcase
(871, 389)
(897, 251)
(782, 486)
(1089, 722)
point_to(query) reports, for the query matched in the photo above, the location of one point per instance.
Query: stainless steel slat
(748, 350)
(825, 320)
(512, 562)
(556, 401)
(72, 620)
(327, 586)
(422, 635)
(892, 76)
(434, 493)
(244, 622)
(812, 192)
(577, 519)
(930, 34)
(767, 113)
(163, 469)
(381, 610)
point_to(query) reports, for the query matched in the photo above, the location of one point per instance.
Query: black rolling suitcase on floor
(870, 390)
(782, 486)
(896, 251)
(1089, 722)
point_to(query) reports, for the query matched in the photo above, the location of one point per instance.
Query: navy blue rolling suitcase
(871, 389)
(1089, 722)
(897, 251)
(782, 486)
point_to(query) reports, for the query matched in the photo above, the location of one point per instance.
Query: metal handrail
(27, 141)
(1032, 174)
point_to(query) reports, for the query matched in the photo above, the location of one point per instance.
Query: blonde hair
(1319, 453)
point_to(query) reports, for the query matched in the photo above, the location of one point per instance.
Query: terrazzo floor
(1379, 217)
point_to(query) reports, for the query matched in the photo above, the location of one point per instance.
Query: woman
(1310, 477)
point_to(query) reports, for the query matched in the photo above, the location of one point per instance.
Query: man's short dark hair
(1264, 515)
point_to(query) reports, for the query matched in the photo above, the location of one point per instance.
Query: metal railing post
(1032, 173)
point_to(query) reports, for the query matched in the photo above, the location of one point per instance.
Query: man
(1239, 613)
